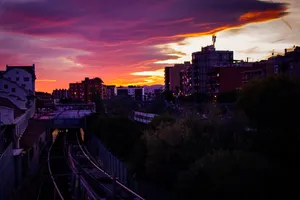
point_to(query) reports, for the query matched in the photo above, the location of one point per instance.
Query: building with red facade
(232, 78)
(224, 79)
(86, 90)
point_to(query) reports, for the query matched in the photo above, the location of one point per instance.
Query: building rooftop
(31, 135)
(7, 103)
(29, 69)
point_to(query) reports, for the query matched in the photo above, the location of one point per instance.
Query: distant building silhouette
(60, 93)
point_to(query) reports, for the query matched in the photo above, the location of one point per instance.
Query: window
(26, 79)
(13, 89)
(17, 72)
(17, 79)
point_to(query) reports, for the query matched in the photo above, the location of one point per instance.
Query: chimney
(285, 51)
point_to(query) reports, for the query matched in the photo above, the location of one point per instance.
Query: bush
(228, 175)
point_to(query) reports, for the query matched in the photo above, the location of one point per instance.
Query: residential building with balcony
(86, 90)
(205, 59)
(173, 78)
(186, 79)
(224, 79)
(287, 63)
(257, 71)
(167, 77)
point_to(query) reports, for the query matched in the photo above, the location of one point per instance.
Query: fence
(109, 162)
(7, 173)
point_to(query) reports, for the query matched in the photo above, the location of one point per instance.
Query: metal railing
(96, 165)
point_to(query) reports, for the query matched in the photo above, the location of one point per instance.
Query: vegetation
(217, 158)
(120, 106)
(227, 97)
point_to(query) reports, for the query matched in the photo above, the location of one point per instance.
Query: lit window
(75, 93)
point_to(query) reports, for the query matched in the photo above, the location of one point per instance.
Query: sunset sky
(130, 41)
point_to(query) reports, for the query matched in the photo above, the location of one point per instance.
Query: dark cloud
(146, 22)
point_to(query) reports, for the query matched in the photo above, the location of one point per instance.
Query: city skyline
(131, 42)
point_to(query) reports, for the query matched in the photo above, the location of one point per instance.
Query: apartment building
(136, 92)
(205, 59)
(86, 90)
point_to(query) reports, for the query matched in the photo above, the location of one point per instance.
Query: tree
(227, 97)
(168, 95)
(164, 119)
(229, 175)
(121, 105)
(272, 103)
(272, 106)
(97, 99)
(157, 106)
(173, 145)
(119, 134)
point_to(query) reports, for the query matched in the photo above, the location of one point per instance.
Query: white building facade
(17, 101)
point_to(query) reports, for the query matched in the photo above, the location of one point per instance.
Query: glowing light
(45, 80)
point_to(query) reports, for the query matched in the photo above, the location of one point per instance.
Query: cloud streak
(115, 40)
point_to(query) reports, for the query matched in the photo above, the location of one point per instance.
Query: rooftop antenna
(214, 39)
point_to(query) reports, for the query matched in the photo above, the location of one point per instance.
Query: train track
(57, 177)
(109, 184)
(68, 156)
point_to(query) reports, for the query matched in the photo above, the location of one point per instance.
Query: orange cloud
(247, 18)
(254, 17)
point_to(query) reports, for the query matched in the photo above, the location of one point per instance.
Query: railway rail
(108, 181)
(72, 173)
